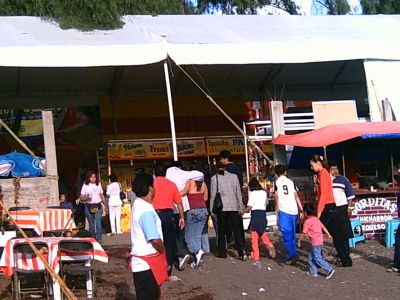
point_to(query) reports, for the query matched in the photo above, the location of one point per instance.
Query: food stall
(126, 156)
(375, 202)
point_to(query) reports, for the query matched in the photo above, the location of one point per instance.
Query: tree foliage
(106, 14)
(371, 7)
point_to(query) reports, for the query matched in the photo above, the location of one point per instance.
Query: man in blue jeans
(287, 206)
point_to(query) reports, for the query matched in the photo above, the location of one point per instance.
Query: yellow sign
(154, 150)
(234, 145)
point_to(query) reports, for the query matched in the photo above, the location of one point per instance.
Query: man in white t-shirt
(287, 206)
(147, 240)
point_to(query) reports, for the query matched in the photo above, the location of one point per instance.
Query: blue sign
(21, 165)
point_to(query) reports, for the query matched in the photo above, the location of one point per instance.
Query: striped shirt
(342, 190)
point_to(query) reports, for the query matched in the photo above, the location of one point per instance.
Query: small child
(258, 205)
(313, 228)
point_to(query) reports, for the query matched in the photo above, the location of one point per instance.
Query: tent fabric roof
(337, 133)
(205, 39)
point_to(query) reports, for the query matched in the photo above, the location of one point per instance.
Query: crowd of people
(169, 217)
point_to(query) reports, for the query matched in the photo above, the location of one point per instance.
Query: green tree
(106, 14)
(371, 7)
(335, 7)
(244, 6)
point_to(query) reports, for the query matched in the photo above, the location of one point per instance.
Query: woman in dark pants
(327, 210)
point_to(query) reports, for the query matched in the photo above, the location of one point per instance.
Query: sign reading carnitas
(373, 213)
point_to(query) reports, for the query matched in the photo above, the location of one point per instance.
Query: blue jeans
(205, 242)
(94, 220)
(287, 226)
(195, 220)
(315, 260)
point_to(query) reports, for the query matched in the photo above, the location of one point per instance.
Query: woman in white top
(257, 204)
(114, 205)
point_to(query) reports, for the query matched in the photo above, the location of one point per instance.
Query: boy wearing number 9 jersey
(287, 206)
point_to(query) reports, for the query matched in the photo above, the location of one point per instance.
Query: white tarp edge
(382, 82)
(278, 52)
(81, 56)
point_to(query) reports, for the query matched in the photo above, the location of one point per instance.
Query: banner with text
(155, 149)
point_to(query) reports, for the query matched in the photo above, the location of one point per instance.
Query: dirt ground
(233, 279)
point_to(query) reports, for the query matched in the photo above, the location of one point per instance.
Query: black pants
(181, 248)
(168, 230)
(226, 218)
(146, 286)
(334, 219)
(396, 260)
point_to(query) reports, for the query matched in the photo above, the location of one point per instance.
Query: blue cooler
(391, 228)
(357, 232)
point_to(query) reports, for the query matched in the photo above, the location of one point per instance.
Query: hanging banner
(155, 149)
(234, 145)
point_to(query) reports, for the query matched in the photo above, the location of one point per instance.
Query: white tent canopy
(319, 58)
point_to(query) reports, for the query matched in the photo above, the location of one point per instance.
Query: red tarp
(333, 134)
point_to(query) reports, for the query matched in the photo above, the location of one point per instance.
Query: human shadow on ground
(122, 292)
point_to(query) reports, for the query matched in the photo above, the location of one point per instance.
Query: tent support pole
(270, 162)
(171, 111)
(246, 152)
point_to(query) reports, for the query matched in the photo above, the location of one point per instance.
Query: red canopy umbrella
(333, 134)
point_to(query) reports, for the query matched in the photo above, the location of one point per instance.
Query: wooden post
(278, 127)
(51, 158)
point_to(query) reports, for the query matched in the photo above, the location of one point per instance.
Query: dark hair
(280, 170)
(89, 174)
(199, 184)
(160, 169)
(142, 183)
(309, 208)
(225, 154)
(254, 185)
(319, 158)
(113, 178)
(175, 163)
(221, 169)
(332, 163)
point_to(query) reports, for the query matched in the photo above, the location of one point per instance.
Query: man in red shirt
(167, 195)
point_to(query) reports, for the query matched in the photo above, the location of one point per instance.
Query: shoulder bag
(218, 205)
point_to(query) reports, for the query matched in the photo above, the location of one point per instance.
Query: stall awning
(333, 134)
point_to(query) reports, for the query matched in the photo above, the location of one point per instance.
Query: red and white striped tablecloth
(33, 262)
(44, 220)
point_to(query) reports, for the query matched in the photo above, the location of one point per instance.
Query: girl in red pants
(257, 204)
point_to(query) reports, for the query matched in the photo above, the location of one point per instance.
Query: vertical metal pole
(246, 152)
(109, 167)
(344, 164)
(171, 111)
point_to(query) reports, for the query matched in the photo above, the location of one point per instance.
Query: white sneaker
(330, 274)
(183, 261)
(257, 264)
(199, 257)
(119, 232)
(174, 278)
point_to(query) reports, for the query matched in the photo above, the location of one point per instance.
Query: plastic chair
(391, 228)
(26, 280)
(357, 232)
(75, 258)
